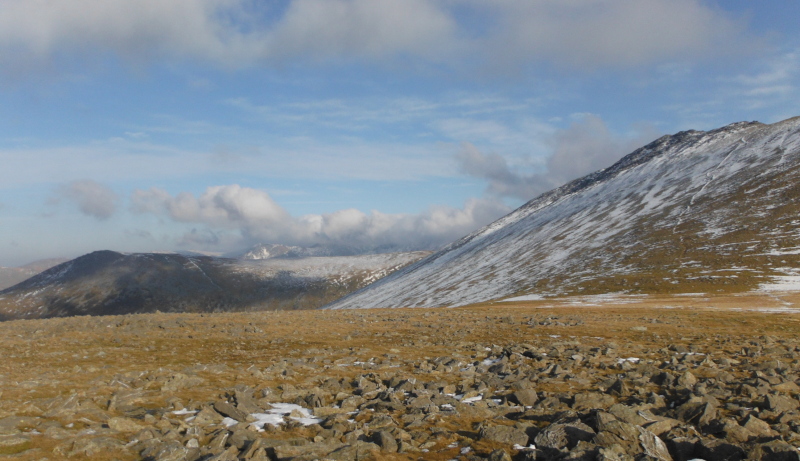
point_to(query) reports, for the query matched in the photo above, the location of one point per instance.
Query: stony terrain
(705, 378)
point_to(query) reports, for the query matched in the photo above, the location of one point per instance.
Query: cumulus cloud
(257, 218)
(219, 206)
(586, 146)
(93, 199)
(234, 33)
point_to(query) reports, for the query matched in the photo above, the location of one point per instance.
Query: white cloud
(257, 218)
(325, 29)
(145, 29)
(231, 33)
(584, 34)
(586, 146)
(93, 199)
(590, 34)
(219, 206)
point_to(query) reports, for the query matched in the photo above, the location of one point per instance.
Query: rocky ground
(522, 382)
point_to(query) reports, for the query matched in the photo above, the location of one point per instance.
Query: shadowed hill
(110, 283)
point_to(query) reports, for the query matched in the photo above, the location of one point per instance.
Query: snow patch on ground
(275, 416)
(782, 283)
(524, 298)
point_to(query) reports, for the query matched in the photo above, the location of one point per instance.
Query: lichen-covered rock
(504, 434)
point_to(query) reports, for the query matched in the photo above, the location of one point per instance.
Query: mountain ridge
(109, 283)
(662, 186)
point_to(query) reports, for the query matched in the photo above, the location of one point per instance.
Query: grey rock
(93, 446)
(314, 400)
(628, 414)
(757, 427)
(226, 409)
(616, 432)
(697, 410)
(499, 455)
(218, 441)
(653, 446)
(359, 451)
(504, 434)
(245, 401)
(682, 448)
(526, 397)
(563, 435)
(207, 416)
(734, 433)
(618, 388)
(121, 424)
(242, 437)
(13, 441)
(613, 453)
(386, 441)
(719, 449)
(687, 380)
(319, 450)
(231, 454)
(780, 403)
(166, 451)
(774, 451)
(592, 400)
(180, 381)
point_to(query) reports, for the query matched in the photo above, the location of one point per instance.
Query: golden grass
(49, 358)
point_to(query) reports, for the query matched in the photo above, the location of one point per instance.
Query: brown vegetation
(65, 379)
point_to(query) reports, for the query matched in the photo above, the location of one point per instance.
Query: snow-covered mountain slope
(692, 212)
(106, 282)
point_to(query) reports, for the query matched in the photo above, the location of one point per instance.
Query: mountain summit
(697, 211)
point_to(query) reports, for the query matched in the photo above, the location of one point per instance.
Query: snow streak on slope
(695, 211)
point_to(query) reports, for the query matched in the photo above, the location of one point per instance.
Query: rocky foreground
(495, 383)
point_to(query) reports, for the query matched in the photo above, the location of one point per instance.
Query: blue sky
(213, 125)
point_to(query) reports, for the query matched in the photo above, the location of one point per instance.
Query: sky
(215, 125)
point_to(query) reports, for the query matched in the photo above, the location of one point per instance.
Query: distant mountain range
(106, 282)
(263, 251)
(694, 212)
(10, 276)
(715, 211)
